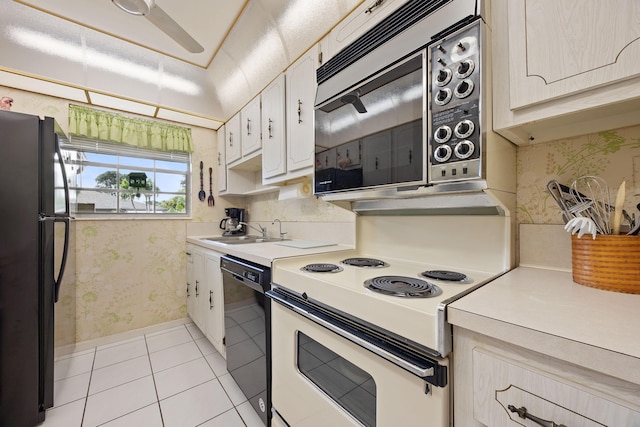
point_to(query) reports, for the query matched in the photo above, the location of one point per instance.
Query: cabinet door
(221, 160)
(301, 91)
(215, 301)
(366, 16)
(250, 127)
(198, 291)
(376, 159)
(233, 139)
(554, 54)
(191, 283)
(273, 129)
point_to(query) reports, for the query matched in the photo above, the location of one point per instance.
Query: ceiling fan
(158, 17)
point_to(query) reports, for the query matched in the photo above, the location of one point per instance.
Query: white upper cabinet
(300, 99)
(233, 139)
(576, 58)
(273, 129)
(363, 18)
(250, 127)
(221, 160)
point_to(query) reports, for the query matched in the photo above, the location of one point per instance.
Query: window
(110, 178)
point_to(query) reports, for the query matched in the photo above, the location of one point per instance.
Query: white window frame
(81, 145)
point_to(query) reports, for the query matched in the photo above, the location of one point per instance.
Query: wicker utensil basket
(610, 262)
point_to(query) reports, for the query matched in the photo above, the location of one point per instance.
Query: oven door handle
(426, 372)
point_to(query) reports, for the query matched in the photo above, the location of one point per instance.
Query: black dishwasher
(247, 318)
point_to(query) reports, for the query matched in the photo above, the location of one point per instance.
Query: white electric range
(347, 353)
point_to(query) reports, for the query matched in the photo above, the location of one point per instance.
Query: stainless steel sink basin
(239, 240)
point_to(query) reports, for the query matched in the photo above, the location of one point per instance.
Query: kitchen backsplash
(613, 155)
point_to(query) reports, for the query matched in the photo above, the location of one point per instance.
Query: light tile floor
(172, 378)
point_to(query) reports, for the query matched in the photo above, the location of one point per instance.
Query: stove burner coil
(364, 262)
(321, 268)
(400, 286)
(450, 276)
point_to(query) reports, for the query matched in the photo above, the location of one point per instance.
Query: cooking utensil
(211, 200)
(556, 192)
(202, 195)
(617, 214)
(594, 189)
(581, 225)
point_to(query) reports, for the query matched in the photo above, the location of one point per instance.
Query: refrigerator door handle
(66, 218)
(63, 263)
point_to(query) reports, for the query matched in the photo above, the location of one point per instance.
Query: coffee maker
(231, 224)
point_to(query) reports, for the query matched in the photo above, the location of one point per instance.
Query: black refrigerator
(35, 200)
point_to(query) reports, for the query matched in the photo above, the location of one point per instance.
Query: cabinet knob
(248, 127)
(230, 139)
(270, 127)
(299, 111)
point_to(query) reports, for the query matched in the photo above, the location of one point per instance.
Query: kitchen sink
(239, 240)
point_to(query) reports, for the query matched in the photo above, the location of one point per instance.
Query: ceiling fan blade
(164, 22)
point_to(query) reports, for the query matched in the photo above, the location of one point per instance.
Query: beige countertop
(263, 253)
(544, 310)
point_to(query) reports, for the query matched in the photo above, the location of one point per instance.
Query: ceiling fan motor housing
(134, 7)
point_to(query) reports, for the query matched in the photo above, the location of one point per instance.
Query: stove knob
(464, 128)
(442, 134)
(443, 77)
(465, 68)
(443, 96)
(442, 153)
(461, 46)
(464, 149)
(464, 88)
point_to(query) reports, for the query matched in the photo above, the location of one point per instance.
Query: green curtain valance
(106, 126)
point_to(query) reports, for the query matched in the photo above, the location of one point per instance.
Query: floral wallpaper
(612, 155)
(129, 275)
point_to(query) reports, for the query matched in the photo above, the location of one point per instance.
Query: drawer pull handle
(522, 413)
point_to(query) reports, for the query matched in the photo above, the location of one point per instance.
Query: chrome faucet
(280, 225)
(262, 229)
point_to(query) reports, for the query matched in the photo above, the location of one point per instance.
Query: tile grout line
(153, 378)
(86, 399)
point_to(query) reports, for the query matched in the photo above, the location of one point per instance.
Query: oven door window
(348, 385)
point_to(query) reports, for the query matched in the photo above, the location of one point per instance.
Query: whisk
(593, 192)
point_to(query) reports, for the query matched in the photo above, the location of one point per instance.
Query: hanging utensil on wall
(211, 201)
(202, 195)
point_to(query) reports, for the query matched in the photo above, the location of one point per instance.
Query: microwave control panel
(455, 143)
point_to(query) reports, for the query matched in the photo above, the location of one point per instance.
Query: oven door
(373, 135)
(323, 379)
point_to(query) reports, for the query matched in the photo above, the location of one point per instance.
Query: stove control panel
(455, 143)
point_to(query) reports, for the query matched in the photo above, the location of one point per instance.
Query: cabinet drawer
(499, 383)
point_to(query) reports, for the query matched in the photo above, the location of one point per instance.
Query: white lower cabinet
(205, 303)
(498, 384)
